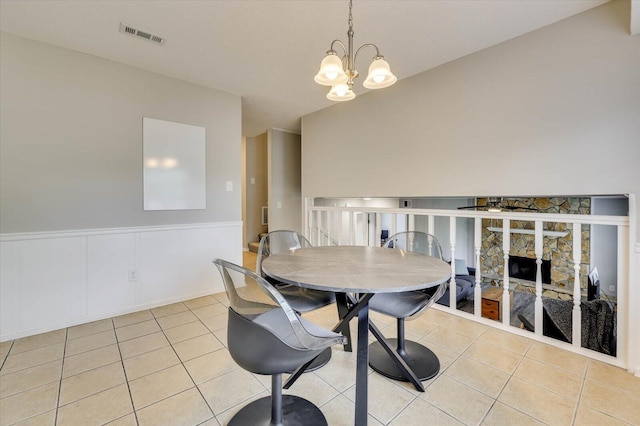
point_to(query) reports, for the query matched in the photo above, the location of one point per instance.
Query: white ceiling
(268, 51)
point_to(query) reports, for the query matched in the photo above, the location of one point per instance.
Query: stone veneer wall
(557, 249)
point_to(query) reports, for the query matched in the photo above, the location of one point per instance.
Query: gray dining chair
(302, 300)
(266, 336)
(407, 305)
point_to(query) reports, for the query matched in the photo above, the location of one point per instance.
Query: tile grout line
(195, 385)
(124, 370)
(584, 380)
(4, 360)
(493, 403)
(187, 370)
(64, 352)
(511, 375)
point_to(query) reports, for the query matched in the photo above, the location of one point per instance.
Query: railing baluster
(365, 228)
(339, 228)
(453, 288)
(319, 225)
(329, 227)
(506, 248)
(477, 291)
(538, 251)
(394, 224)
(352, 224)
(310, 224)
(576, 335)
(430, 230)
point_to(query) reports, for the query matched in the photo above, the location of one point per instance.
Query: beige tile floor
(170, 366)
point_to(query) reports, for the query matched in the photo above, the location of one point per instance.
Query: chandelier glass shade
(341, 92)
(340, 72)
(331, 72)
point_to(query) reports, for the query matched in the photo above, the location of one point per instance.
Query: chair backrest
(279, 242)
(416, 241)
(420, 242)
(254, 299)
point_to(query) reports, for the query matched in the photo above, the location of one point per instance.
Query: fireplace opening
(526, 268)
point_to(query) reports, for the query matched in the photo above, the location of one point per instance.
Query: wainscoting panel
(58, 279)
(53, 288)
(10, 267)
(156, 281)
(110, 258)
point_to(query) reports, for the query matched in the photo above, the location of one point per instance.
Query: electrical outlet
(612, 288)
(133, 275)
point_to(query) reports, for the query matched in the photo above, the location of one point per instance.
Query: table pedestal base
(295, 411)
(420, 359)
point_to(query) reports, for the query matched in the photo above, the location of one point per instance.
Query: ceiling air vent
(128, 29)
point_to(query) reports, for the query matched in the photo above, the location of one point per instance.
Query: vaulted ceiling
(267, 51)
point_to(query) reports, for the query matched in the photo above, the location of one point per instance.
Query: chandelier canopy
(340, 72)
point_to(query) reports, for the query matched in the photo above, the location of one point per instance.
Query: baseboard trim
(85, 320)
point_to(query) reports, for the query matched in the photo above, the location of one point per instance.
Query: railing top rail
(523, 216)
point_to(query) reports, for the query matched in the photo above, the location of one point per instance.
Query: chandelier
(340, 72)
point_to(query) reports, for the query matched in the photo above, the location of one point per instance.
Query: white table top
(357, 269)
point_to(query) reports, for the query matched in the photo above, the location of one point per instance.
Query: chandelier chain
(350, 15)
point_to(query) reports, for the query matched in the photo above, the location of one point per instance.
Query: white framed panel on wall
(174, 167)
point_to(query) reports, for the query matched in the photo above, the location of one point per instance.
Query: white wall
(553, 112)
(285, 202)
(71, 152)
(71, 218)
(256, 194)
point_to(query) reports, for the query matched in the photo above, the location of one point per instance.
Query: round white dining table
(360, 271)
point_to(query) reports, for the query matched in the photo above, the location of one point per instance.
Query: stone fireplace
(557, 248)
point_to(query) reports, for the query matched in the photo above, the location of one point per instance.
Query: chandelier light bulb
(340, 89)
(331, 72)
(380, 75)
(341, 92)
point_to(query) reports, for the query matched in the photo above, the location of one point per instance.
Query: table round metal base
(421, 360)
(296, 411)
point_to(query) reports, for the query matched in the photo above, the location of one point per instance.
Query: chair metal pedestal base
(295, 411)
(421, 360)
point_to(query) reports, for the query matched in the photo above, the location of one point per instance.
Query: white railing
(362, 226)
